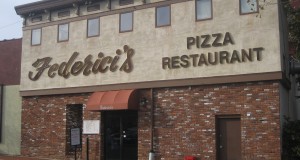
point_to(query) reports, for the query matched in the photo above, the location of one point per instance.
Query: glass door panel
(120, 135)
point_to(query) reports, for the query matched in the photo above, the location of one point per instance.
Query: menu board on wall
(91, 126)
(75, 137)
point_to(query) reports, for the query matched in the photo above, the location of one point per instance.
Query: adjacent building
(119, 79)
(10, 99)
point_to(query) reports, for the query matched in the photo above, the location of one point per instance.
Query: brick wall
(44, 126)
(184, 122)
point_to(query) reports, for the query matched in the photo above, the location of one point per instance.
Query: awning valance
(113, 100)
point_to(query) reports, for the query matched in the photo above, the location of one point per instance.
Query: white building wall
(11, 121)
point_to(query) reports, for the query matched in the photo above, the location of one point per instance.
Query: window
(92, 8)
(248, 6)
(63, 14)
(36, 19)
(36, 35)
(203, 9)
(93, 27)
(163, 16)
(124, 2)
(74, 120)
(126, 22)
(63, 32)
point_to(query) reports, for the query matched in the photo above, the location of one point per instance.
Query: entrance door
(228, 138)
(120, 135)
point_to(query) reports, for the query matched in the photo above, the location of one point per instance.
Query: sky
(11, 23)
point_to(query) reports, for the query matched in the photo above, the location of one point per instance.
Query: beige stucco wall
(11, 133)
(151, 44)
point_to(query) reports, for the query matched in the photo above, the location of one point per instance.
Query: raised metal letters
(207, 41)
(101, 65)
(212, 58)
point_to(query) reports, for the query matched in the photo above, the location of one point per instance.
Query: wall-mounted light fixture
(143, 101)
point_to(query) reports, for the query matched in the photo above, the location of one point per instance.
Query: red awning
(113, 100)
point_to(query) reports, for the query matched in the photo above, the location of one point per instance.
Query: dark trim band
(159, 84)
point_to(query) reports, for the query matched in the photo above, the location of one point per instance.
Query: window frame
(211, 12)
(257, 8)
(170, 16)
(132, 17)
(87, 26)
(40, 38)
(58, 40)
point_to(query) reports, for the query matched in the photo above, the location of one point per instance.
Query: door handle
(221, 146)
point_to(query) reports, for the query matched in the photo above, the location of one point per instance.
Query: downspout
(109, 4)
(151, 152)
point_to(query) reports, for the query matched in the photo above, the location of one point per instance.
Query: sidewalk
(7, 157)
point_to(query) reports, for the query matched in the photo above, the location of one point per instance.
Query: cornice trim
(269, 76)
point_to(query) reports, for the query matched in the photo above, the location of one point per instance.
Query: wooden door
(228, 138)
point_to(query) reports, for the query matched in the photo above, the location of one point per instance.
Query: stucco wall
(151, 44)
(11, 127)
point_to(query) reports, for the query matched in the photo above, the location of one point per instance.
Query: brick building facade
(185, 119)
(189, 81)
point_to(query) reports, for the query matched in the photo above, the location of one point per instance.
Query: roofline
(43, 5)
(14, 39)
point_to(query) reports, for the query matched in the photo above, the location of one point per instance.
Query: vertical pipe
(50, 16)
(152, 120)
(151, 153)
(75, 152)
(109, 4)
(121, 138)
(87, 148)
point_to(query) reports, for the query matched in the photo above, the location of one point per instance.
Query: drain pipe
(151, 152)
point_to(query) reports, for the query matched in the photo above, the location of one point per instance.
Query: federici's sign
(101, 65)
(104, 63)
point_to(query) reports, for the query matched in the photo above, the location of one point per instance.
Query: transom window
(248, 6)
(163, 16)
(63, 32)
(93, 27)
(126, 22)
(203, 9)
(36, 35)
(125, 2)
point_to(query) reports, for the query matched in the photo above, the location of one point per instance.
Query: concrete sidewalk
(7, 157)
